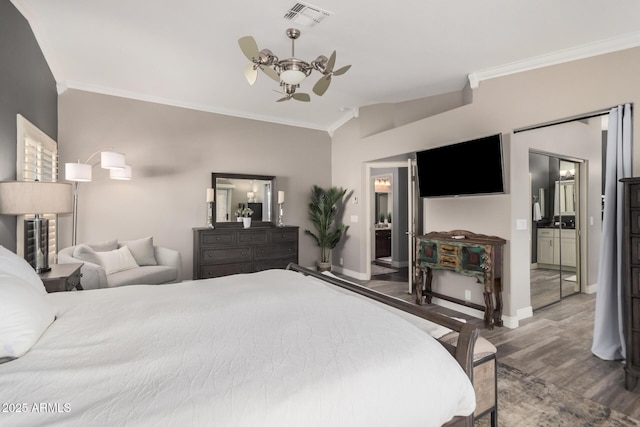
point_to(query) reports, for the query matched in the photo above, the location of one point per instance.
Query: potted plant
(323, 208)
(245, 214)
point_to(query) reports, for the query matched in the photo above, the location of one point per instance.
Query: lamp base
(36, 243)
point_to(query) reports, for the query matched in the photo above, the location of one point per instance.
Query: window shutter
(37, 160)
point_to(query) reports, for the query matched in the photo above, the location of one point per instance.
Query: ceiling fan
(289, 72)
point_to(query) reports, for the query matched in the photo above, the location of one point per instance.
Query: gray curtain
(608, 330)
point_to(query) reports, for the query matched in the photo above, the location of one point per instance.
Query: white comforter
(264, 349)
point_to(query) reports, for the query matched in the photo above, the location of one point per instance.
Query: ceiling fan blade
(286, 98)
(271, 73)
(249, 47)
(322, 85)
(342, 70)
(250, 73)
(330, 63)
(304, 97)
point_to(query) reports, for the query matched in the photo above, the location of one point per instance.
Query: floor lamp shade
(112, 160)
(121, 174)
(78, 172)
(35, 197)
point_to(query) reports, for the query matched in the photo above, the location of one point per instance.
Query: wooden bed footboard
(468, 334)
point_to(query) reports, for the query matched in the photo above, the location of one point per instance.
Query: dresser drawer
(634, 221)
(275, 263)
(546, 232)
(284, 250)
(282, 236)
(225, 270)
(251, 237)
(635, 313)
(634, 195)
(635, 281)
(212, 256)
(635, 251)
(218, 238)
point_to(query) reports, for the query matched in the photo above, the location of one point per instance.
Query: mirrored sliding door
(555, 250)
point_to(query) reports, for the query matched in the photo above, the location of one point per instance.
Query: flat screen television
(463, 169)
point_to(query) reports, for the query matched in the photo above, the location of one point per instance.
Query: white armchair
(107, 264)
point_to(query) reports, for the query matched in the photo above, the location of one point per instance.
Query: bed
(273, 348)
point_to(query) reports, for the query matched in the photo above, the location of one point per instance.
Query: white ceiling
(185, 53)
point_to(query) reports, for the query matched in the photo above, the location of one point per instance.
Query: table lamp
(35, 197)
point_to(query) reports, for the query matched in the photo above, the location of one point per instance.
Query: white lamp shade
(80, 172)
(292, 77)
(112, 160)
(34, 197)
(121, 174)
(280, 196)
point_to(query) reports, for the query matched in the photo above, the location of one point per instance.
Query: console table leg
(497, 314)
(429, 279)
(488, 311)
(419, 287)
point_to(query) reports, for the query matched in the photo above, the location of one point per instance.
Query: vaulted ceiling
(186, 53)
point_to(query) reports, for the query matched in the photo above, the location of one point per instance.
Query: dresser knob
(253, 237)
(283, 236)
(242, 253)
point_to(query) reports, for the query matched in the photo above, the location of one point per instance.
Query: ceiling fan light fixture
(288, 72)
(292, 77)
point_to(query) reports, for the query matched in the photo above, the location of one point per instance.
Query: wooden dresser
(632, 286)
(230, 250)
(469, 254)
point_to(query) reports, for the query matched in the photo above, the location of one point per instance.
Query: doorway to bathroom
(555, 242)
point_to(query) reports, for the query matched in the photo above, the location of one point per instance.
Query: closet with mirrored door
(555, 242)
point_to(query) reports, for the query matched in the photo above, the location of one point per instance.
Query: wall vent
(306, 14)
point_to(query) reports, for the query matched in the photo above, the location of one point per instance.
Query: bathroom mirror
(233, 192)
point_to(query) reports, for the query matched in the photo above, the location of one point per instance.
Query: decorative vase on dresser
(632, 287)
(229, 250)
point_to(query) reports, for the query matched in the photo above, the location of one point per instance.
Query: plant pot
(323, 266)
(239, 219)
(246, 222)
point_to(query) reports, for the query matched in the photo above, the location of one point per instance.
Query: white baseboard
(508, 321)
(591, 289)
(350, 273)
(458, 307)
(399, 264)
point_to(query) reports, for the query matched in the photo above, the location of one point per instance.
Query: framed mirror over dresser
(228, 247)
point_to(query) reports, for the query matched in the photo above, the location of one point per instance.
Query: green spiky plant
(323, 208)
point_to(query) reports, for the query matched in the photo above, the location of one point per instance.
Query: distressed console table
(467, 253)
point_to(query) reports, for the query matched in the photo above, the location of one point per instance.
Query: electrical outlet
(341, 261)
(467, 295)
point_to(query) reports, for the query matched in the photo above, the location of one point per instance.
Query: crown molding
(626, 41)
(181, 104)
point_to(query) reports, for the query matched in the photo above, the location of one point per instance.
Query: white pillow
(142, 250)
(104, 246)
(86, 253)
(24, 316)
(118, 260)
(13, 265)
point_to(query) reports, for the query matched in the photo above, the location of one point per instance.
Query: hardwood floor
(554, 345)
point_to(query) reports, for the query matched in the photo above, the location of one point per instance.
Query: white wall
(173, 152)
(499, 105)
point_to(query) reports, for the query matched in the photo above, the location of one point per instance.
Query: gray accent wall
(27, 87)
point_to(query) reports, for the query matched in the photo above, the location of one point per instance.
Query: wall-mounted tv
(462, 169)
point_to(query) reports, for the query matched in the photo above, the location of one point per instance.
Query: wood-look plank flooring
(554, 345)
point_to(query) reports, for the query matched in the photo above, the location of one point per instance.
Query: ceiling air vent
(306, 14)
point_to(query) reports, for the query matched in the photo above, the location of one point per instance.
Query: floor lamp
(35, 197)
(81, 172)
